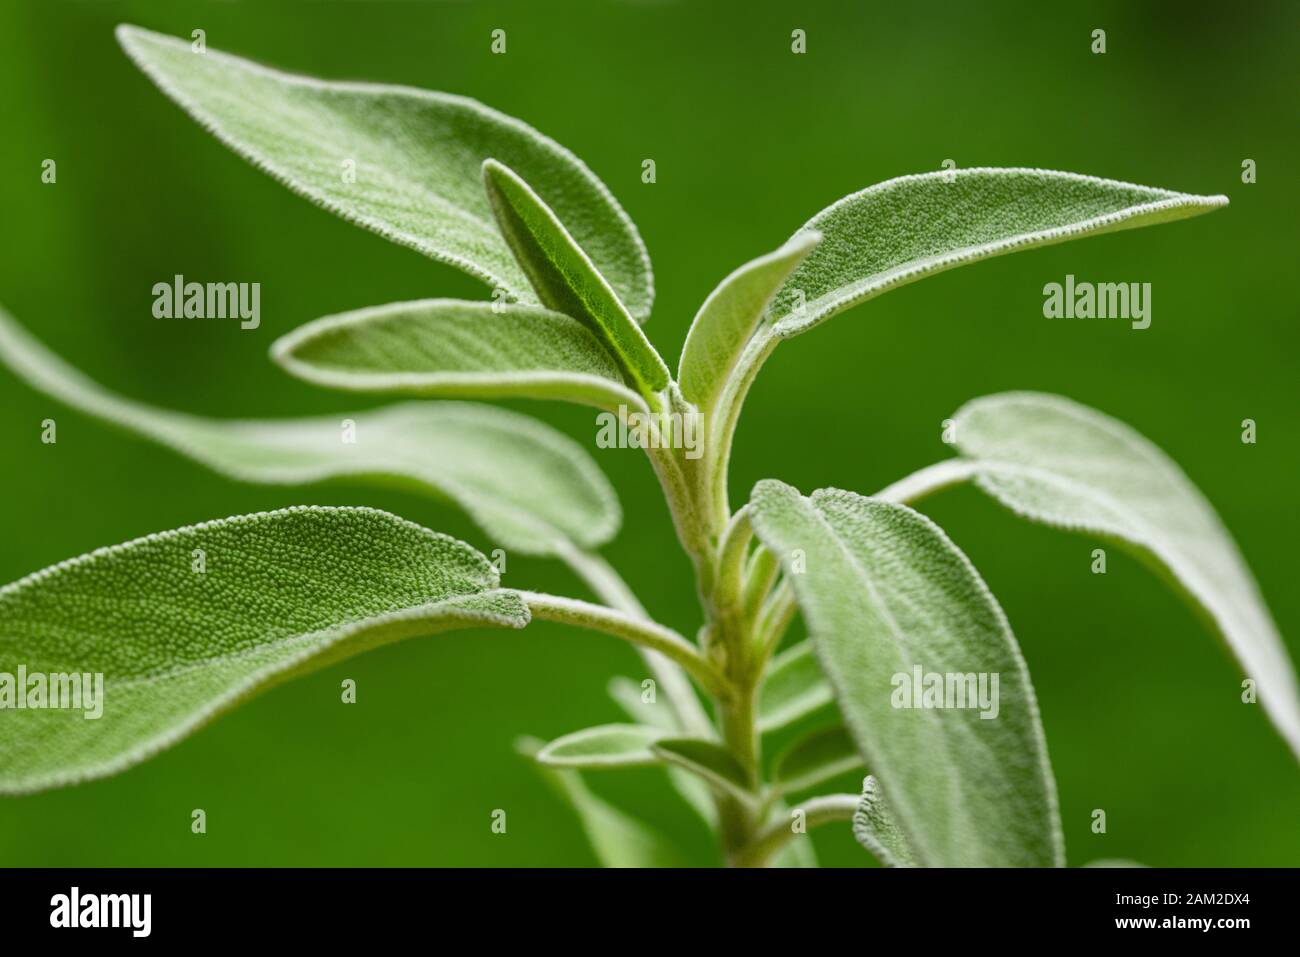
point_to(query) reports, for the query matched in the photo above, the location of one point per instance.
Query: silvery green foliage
(468, 454)
(1054, 461)
(416, 159)
(275, 595)
(882, 589)
(442, 348)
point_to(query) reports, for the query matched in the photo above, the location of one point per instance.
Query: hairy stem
(927, 481)
(639, 631)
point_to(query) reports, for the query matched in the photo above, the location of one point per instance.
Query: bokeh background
(1140, 703)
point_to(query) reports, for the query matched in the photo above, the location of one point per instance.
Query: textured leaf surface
(876, 830)
(1054, 461)
(711, 761)
(793, 688)
(617, 838)
(885, 591)
(729, 317)
(565, 278)
(815, 758)
(416, 157)
(898, 231)
(472, 455)
(445, 348)
(604, 746)
(280, 594)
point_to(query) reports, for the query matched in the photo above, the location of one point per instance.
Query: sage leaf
(627, 695)
(710, 761)
(1054, 461)
(901, 230)
(617, 838)
(729, 317)
(564, 276)
(875, 828)
(401, 162)
(887, 599)
(445, 348)
(793, 688)
(604, 746)
(815, 758)
(468, 454)
(186, 624)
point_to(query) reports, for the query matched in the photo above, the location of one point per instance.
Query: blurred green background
(1140, 703)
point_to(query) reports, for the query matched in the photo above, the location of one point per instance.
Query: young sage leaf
(890, 602)
(815, 758)
(446, 348)
(472, 455)
(401, 162)
(710, 761)
(627, 694)
(604, 746)
(875, 829)
(793, 687)
(729, 317)
(1054, 461)
(901, 230)
(173, 629)
(565, 277)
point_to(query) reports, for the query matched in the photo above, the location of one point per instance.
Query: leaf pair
(890, 602)
(463, 184)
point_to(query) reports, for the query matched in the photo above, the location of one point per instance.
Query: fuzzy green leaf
(564, 276)
(729, 317)
(876, 830)
(401, 162)
(446, 348)
(1051, 460)
(604, 746)
(628, 695)
(618, 839)
(711, 761)
(794, 687)
(186, 624)
(898, 231)
(884, 591)
(815, 758)
(472, 455)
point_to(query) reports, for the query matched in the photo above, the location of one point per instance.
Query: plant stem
(927, 481)
(639, 631)
(773, 837)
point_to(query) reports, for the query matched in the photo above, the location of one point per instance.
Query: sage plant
(911, 663)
